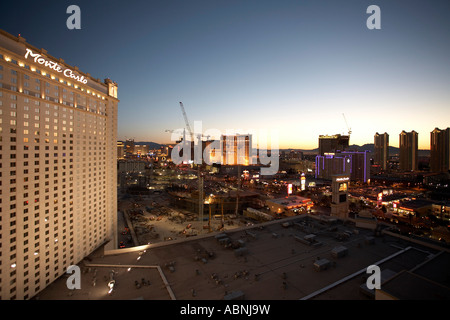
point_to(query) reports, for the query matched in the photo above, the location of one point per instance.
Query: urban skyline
(265, 83)
(294, 66)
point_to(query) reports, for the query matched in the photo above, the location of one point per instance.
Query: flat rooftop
(289, 201)
(416, 204)
(269, 261)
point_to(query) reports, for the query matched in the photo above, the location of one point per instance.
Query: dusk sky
(289, 66)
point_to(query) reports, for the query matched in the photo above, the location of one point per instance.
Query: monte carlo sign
(54, 66)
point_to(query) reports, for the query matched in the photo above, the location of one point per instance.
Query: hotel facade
(440, 150)
(58, 151)
(381, 150)
(409, 153)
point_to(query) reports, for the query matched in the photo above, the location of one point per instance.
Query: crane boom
(188, 127)
(349, 129)
(199, 174)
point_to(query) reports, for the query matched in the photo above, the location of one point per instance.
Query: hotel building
(355, 164)
(58, 151)
(440, 150)
(333, 143)
(236, 149)
(381, 146)
(120, 150)
(409, 153)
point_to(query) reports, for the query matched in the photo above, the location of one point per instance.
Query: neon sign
(54, 66)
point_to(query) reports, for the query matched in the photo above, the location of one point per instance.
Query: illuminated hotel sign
(54, 66)
(342, 179)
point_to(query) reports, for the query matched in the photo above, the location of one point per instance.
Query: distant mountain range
(369, 147)
(151, 145)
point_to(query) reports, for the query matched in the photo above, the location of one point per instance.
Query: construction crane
(188, 127)
(199, 174)
(348, 128)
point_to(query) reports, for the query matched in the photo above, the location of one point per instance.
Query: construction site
(160, 201)
(153, 219)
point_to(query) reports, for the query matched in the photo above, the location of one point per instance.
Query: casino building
(58, 151)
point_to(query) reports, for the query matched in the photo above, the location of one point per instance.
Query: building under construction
(223, 203)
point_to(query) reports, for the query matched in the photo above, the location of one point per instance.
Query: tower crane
(199, 174)
(348, 128)
(188, 127)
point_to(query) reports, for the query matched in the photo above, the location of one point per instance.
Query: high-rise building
(120, 150)
(329, 165)
(359, 164)
(332, 144)
(354, 164)
(440, 150)
(381, 150)
(58, 149)
(409, 152)
(236, 149)
(129, 147)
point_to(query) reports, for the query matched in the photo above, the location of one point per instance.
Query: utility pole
(200, 198)
(209, 221)
(237, 190)
(223, 223)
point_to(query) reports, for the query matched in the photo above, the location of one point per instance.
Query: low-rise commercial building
(293, 204)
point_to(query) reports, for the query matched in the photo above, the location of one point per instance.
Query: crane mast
(199, 174)
(188, 127)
